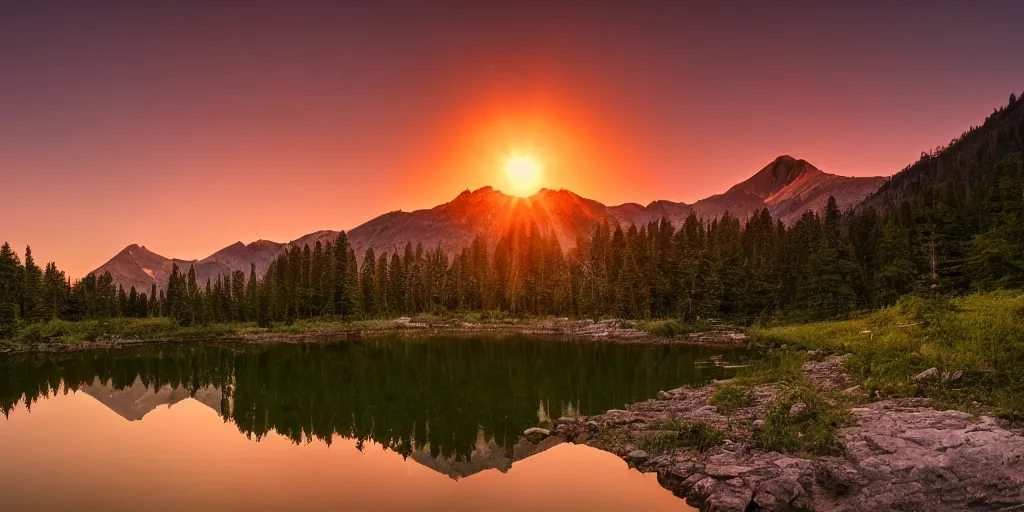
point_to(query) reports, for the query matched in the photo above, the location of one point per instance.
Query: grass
(128, 329)
(730, 397)
(981, 335)
(672, 328)
(62, 331)
(813, 431)
(783, 366)
(677, 434)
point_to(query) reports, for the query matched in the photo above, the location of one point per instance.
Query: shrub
(813, 431)
(730, 397)
(677, 434)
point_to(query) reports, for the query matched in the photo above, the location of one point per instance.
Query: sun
(523, 174)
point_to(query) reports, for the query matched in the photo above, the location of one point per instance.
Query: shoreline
(611, 331)
(845, 450)
(892, 454)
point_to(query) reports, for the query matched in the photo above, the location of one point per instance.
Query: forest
(950, 224)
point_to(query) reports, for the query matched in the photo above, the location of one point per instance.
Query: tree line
(958, 226)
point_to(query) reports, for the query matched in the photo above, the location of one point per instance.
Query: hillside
(967, 159)
(786, 186)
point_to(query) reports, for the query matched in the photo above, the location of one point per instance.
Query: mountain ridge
(786, 186)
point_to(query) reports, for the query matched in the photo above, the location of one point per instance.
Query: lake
(378, 424)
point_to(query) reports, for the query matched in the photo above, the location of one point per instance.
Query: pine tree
(11, 283)
(368, 283)
(344, 293)
(32, 291)
(55, 294)
(396, 284)
(380, 285)
(252, 295)
(153, 307)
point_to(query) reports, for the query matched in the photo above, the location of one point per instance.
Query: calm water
(430, 424)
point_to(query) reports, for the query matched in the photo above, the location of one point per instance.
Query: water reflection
(456, 407)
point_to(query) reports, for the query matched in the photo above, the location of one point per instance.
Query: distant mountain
(136, 401)
(787, 187)
(139, 267)
(487, 454)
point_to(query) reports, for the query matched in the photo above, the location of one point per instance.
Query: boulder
(637, 456)
(948, 376)
(929, 374)
(798, 409)
(536, 434)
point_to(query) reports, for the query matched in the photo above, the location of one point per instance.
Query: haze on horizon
(186, 127)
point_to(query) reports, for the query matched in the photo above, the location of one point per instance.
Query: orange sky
(186, 128)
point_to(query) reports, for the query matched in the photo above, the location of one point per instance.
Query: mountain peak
(776, 176)
(130, 248)
(787, 187)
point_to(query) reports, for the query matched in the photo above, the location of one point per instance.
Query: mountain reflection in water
(457, 406)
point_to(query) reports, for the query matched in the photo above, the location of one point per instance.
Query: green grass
(130, 329)
(783, 366)
(62, 331)
(730, 397)
(676, 434)
(812, 432)
(981, 335)
(672, 328)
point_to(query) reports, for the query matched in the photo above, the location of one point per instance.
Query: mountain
(139, 267)
(968, 160)
(136, 401)
(786, 186)
(487, 454)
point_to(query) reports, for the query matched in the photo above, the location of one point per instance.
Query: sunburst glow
(523, 174)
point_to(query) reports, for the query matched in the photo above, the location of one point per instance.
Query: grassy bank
(166, 329)
(132, 329)
(976, 343)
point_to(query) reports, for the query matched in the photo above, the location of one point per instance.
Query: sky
(187, 126)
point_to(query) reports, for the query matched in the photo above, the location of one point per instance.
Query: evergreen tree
(32, 291)
(380, 285)
(11, 283)
(396, 284)
(368, 283)
(56, 292)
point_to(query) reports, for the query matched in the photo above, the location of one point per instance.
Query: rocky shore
(897, 454)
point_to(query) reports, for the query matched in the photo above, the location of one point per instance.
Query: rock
(798, 409)
(928, 374)
(778, 492)
(663, 395)
(403, 320)
(726, 471)
(637, 456)
(897, 454)
(536, 434)
(948, 376)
